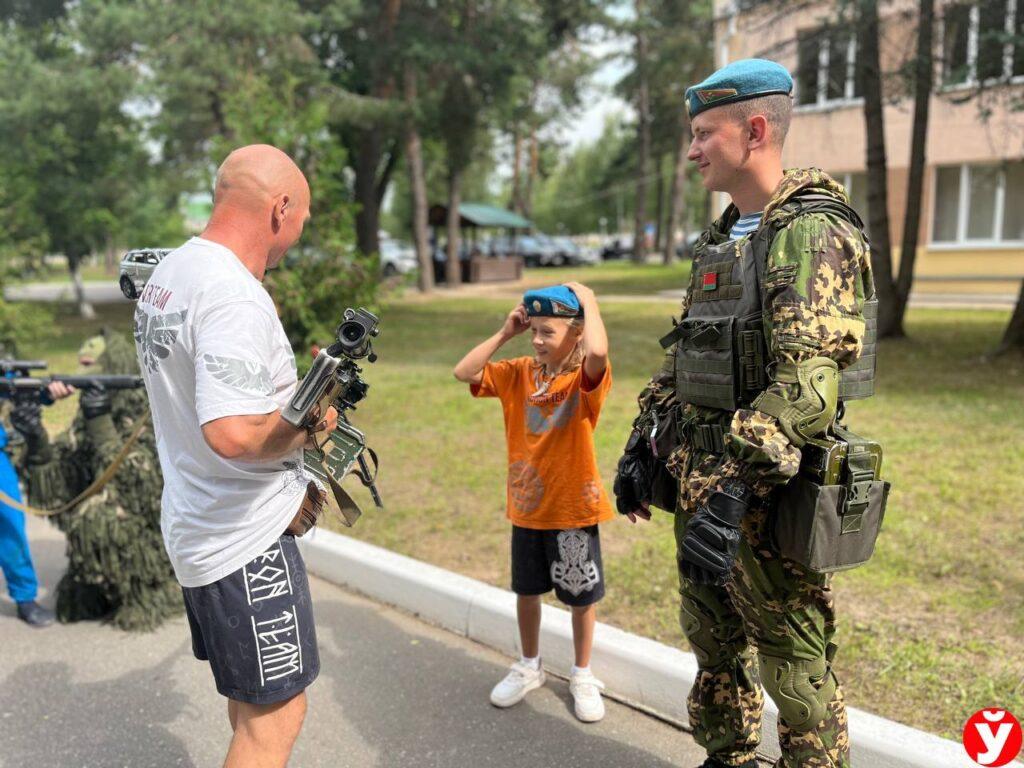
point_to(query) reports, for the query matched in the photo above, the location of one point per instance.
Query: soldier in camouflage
(117, 567)
(752, 617)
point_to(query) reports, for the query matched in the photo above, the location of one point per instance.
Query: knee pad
(800, 689)
(712, 642)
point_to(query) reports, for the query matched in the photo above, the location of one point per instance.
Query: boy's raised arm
(470, 369)
(595, 338)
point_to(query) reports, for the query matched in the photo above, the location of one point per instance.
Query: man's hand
(326, 425)
(643, 513)
(711, 542)
(58, 390)
(94, 402)
(516, 322)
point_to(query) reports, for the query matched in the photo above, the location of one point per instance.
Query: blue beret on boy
(741, 80)
(555, 301)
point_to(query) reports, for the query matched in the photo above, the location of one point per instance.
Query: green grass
(930, 630)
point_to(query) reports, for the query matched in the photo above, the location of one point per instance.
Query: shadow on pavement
(49, 719)
(431, 710)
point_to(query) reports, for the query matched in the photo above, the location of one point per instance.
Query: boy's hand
(584, 294)
(516, 322)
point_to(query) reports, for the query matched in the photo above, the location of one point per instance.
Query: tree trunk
(1013, 338)
(517, 162)
(531, 174)
(678, 192)
(878, 196)
(418, 186)
(643, 139)
(453, 268)
(85, 309)
(367, 160)
(659, 200)
(918, 148)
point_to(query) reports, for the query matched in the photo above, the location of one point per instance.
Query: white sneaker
(586, 694)
(520, 680)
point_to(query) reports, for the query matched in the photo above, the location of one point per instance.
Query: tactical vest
(721, 349)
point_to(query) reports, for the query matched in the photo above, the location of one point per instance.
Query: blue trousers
(15, 558)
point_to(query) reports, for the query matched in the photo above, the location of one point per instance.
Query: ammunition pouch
(828, 517)
(720, 361)
(709, 438)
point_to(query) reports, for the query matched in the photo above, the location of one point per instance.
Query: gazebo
(481, 267)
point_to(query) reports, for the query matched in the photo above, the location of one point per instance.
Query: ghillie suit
(117, 567)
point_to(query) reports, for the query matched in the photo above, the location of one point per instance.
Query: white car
(136, 268)
(396, 258)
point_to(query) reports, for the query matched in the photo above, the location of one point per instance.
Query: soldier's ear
(757, 131)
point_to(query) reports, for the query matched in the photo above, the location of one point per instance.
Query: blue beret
(555, 301)
(741, 80)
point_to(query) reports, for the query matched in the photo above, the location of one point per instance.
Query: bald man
(218, 370)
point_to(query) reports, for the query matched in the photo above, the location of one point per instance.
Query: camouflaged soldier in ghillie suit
(752, 343)
(117, 566)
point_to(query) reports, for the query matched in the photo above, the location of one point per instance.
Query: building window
(979, 204)
(856, 186)
(983, 41)
(827, 67)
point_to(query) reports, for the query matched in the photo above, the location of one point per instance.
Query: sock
(532, 663)
(580, 670)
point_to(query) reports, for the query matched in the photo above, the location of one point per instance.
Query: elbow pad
(814, 408)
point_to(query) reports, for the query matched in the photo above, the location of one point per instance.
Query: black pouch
(833, 526)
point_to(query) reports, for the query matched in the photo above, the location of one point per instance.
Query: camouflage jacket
(816, 280)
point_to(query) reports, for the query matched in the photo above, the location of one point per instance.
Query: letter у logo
(992, 737)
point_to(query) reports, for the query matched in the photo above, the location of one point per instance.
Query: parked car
(136, 267)
(685, 249)
(619, 247)
(536, 250)
(574, 254)
(396, 257)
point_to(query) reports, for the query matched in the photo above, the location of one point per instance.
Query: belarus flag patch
(710, 281)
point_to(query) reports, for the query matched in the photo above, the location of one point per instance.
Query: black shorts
(255, 627)
(568, 561)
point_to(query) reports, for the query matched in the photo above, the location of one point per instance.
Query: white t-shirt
(210, 345)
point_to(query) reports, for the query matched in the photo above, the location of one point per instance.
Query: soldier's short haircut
(777, 109)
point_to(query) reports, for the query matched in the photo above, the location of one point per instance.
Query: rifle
(334, 380)
(22, 385)
(23, 367)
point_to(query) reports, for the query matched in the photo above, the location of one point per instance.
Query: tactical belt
(709, 438)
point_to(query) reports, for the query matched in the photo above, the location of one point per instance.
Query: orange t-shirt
(552, 470)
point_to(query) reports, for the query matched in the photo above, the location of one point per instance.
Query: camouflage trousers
(773, 623)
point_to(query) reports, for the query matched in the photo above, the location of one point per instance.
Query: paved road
(96, 291)
(393, 693)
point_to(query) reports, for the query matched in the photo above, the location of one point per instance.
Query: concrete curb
(636, 670)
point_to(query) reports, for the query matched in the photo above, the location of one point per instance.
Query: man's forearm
(253, 438)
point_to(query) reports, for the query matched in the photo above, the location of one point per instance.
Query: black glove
(95, 401)
(632, 485)
(27, 417)
(712, 539)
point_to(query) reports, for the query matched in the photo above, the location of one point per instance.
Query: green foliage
(22, 324)
(312, 289)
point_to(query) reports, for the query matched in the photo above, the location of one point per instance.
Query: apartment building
(972, 222)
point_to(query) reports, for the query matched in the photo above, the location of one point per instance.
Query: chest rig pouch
(720, 347)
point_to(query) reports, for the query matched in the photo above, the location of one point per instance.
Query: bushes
(22, 324)
(312, 289)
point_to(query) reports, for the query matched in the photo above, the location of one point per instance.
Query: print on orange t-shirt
(553, 481)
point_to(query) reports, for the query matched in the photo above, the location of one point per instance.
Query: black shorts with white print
(568, 561)
(255, 627)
